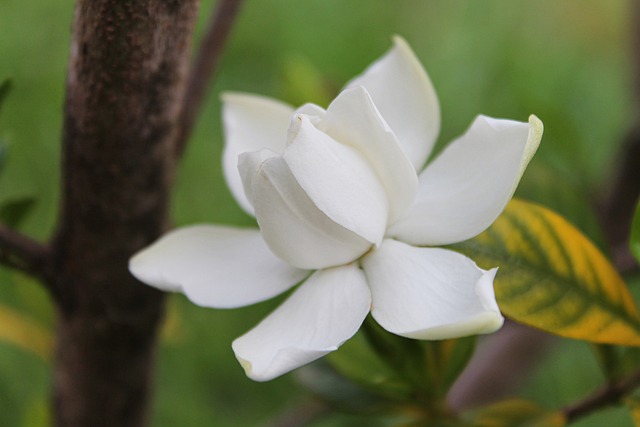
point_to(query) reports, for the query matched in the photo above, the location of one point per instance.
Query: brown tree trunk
(125, 85)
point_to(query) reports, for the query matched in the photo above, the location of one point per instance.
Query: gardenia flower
(342, 210)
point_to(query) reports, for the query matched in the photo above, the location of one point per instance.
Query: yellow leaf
(171, 331)
(25, 333)
(553, 278)
(634, 406)
(516, 413)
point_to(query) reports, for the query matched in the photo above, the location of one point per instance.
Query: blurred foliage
(568, 62)
(19, 330)
(14, 211)
(634, 406)
(391, 376)
(516, 413)
(5, 88)
(634, 241)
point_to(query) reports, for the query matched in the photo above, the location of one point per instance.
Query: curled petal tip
(536, 128)
(248, 369)
(400, 41)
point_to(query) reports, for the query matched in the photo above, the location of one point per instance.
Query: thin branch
(204, 67)
(21, 252)
(503, 362)
(609, 395)
(616, 206)
(616, 209)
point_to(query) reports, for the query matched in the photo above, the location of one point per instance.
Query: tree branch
(126, 78)
(21, 252)
(204, 67)
(609, 395)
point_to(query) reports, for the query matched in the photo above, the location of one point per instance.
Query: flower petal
(293, 226)
(430, 293)
(215, 266)
(250, 123)
(339, 181)
(354, 120)
(248, 165)
(315, 320)
(464, 190)
(404, 95)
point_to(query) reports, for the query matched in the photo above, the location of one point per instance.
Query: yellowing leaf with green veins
(18, 330)
(553, 278)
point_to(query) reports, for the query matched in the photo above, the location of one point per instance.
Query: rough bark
(125, 83)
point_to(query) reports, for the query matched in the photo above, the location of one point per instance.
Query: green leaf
(405, 356)
(400, 368)
(553, 278)
(634, 242)
(610, 359)
(14, 211)
(447, 359)
(356, 361)
(617, 361)
(326, 383)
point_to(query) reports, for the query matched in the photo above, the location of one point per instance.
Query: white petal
(430, 293)
(293, 226)
(251, 123)
(353, 119)
(248, 165)
(313, 111)
(215, 266)
(464, 190)
(339, 181)
(322, 314)
(404, 95)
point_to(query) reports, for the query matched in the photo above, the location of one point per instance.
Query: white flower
(342, 208)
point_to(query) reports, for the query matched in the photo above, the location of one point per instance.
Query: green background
(568, 61)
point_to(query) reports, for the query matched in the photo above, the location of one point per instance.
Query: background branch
(616, 206)
(501, 364)
(204, 67)
(21, 252)
(615, 210)
(609, 395)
